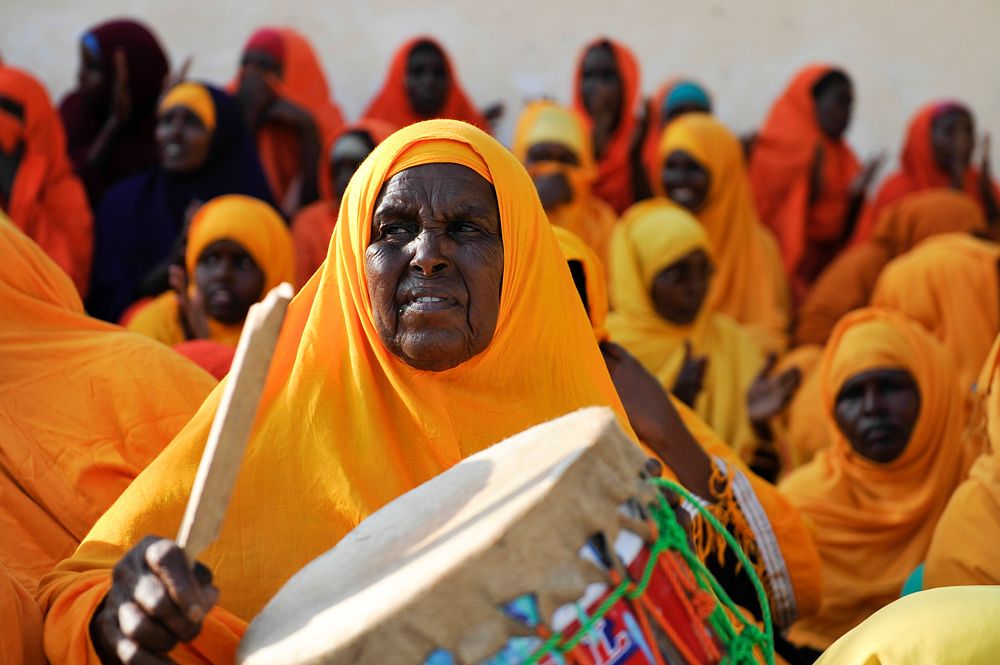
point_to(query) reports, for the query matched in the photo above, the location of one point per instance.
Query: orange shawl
(85, 406)
(391, 104)
(848, 282)
(595, 281)
(918, 169)
(48, 201)
(21, 637)
(614, 167)
(780, 172)
(749, 284)
(874, 521)
(358, 426)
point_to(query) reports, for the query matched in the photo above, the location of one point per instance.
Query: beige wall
(900, 52)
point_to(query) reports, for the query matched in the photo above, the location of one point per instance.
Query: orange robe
(874, 520)
(21, 635)
(85, 406)
(48, 201)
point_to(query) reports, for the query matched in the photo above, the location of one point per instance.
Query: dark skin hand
(120, 108)
(434, 265)
(769, 394)
(691, 377)
(876, 411)
(601, 88)
(156, 601)
(194, 318)
(643, 126)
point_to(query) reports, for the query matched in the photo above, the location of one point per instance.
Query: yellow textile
(874, 521)
(192, 96)
(587, 215)
(956, 626)
(254, 226)
(344, 426)
(651, 236)
(596, 284)
(951, 285)
(749, 284)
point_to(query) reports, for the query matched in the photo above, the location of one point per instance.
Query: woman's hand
(691, 378)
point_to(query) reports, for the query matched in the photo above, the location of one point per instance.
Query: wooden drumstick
(220, 463)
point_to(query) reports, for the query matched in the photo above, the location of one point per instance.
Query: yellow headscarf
(596, 284)
(249, 222)
(651, 236)
(874, 521)
(345, 426)
(750, 284)
(193, 96)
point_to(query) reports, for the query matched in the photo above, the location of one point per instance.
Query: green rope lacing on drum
(738, 645)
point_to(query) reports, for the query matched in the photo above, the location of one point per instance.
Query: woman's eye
(465, 227)
(396, 229)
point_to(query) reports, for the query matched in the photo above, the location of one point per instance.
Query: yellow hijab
(344, 426)
(247, 221)
(749, 284)
(651, 236)
(874, 521)
(595, 281)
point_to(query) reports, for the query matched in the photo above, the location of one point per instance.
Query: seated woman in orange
(421, 85)
(702, 169)
(847, 283)
(38, 189)
(606, 92)
(552, 142)
(313, 225)
(287, 105)
(808, 185)
(238, 249)
(85, 406)
(937, 153)
(895, 413)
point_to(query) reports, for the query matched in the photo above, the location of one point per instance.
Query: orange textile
(85, 406)
(848, 282)
(950, 284)
(874, 521)
(963, 549)
(21, 636)
(780, 176)
(801, 430)
(918, 170)
(358, 426)
(213, 357)
(749, 284)
(595, 281)
(614, 167)
(391, 104)
(47, 200)
(586, 216)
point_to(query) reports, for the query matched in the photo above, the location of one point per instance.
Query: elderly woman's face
(435, 265)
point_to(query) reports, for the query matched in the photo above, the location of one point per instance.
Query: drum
(551, 547)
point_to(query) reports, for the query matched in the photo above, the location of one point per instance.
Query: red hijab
(391, 104)
(614, 167)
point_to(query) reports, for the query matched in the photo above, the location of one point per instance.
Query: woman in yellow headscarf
(964, 547)
(553, 143)
(895, 415)
(238, 249)
(661, 271)
(702, 169)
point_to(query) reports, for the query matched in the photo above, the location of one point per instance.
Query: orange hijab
(391, 104)
(84, 406)
(950, 284)
(963, 550)
(358, 426)
(654, 118)
(780, 169)
(848, 282)
(874, 521)
(749, 284)
(918, 170)
(595, 280)
(614, 167)
(48, 201)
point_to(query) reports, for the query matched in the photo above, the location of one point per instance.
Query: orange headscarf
(48, 201)
(84, 406)
(614, 167)
(654, 117)
(848, 282)
(780, 173)
(595, 280)
(749, 284)
(357, 426)
(963, 550)
(919, 170)
(391, 104)
(312, 227)
(587, 216)
(874, 521)
(950, 284)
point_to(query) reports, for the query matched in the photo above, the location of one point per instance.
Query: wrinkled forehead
(450, 189)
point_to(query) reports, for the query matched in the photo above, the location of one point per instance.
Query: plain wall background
(900, 53)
